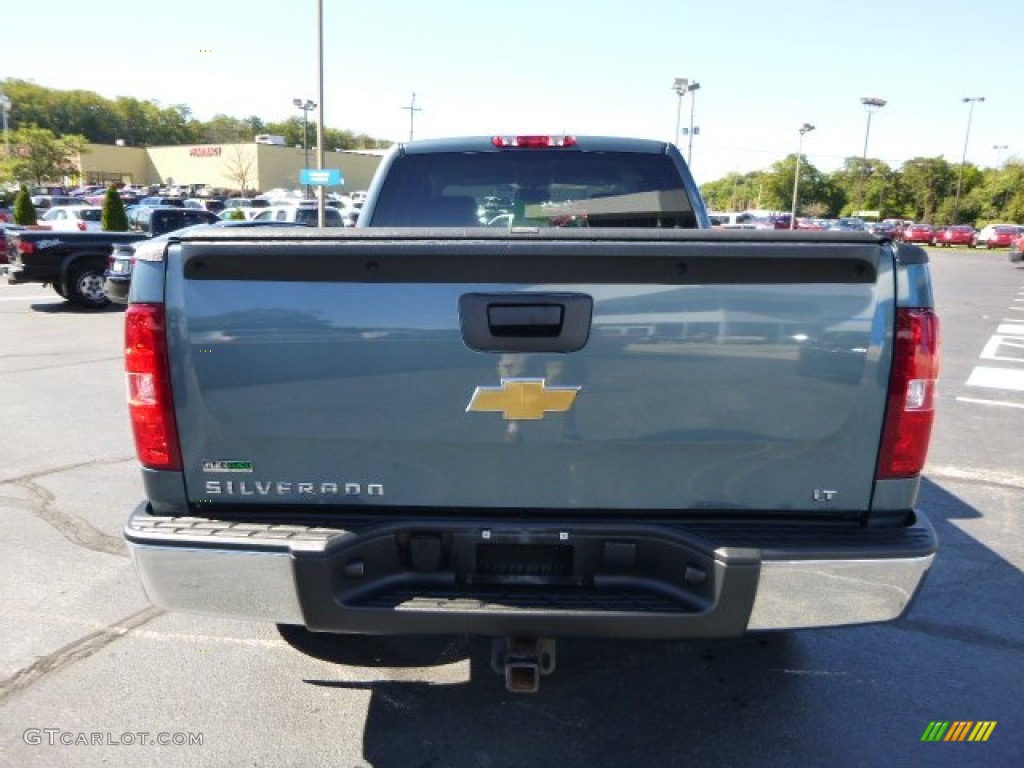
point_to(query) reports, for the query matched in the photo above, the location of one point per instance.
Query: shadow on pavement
(59, 306)
(843, 697)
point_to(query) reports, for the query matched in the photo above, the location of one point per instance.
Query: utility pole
(413, 109)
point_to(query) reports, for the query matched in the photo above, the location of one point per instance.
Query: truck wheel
(85, 288)
(60, 290)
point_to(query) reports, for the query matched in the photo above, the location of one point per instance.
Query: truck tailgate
(684, 371)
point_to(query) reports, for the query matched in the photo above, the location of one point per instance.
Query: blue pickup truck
(532, 395)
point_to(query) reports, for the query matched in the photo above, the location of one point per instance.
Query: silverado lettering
(282, 488)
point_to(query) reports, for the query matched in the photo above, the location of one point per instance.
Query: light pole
(5, 103)
(321, 191)
(305, 105)
(872, 104)
(679, 86)
(413, 109)
(683, 86)
(693, 101)
(805, 128)
(969, 100)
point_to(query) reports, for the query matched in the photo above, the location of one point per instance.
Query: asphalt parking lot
(86, 655)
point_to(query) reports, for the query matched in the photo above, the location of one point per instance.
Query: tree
(113, 218)
(239, 166)
(926, 184)
(234, 214)
(39, 155)
(24, 211)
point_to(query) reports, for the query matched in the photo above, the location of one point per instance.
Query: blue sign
(328, 177)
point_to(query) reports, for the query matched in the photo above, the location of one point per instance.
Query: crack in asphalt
(73, 528)
(75, 651)
(56, 366)
(959, 633)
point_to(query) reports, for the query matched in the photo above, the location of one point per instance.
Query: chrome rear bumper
(334, 579)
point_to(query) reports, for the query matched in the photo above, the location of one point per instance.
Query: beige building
(254, 167)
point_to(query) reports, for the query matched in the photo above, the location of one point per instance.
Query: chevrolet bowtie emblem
(521, 399)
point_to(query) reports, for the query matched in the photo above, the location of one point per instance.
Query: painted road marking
(997, 378)
(1005, 349)
(1006, 345)
(999, 403)
(31, 298)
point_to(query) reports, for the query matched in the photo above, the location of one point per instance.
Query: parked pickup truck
(584, 414)
(74, 262)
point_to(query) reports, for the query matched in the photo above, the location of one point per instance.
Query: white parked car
(74, 218)
(303, 214)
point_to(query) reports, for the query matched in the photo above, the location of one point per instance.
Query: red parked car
(997, 236)
(918, 233)
(955, 234)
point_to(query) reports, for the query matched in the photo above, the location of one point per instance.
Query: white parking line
(31, 298)
(997, 378)
(1002, 348)
(1008, 329)
(999, 403)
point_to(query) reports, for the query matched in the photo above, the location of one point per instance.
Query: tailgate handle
(534, 320)
(525, 322)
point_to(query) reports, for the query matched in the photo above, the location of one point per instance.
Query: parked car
(88, 189)
(1017, 250)
(211, 204)
(997, 236)
(303, 214)
(246, 202)
(117, 279)
(919, 233)
(157, 200)
(955, 234)
(169, 217)
(69, 218)
(50, 201)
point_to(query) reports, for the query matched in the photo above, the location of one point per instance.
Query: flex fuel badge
(227, 466)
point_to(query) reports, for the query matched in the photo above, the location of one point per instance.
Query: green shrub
(234, 214)
(114, 218)
(24, 211)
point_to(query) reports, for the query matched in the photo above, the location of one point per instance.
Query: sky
(590, 67)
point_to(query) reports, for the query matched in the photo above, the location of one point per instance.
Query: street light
(872, 104)
(805, 128)
(683, 86)
(5, 104)
(305, 105)
(969, 100)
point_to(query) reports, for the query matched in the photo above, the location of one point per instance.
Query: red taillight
(149, 387)
(911, 407)
(534, 142)
(82, 226)
(25, 247)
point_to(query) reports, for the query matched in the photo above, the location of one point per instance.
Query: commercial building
(250, 167)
